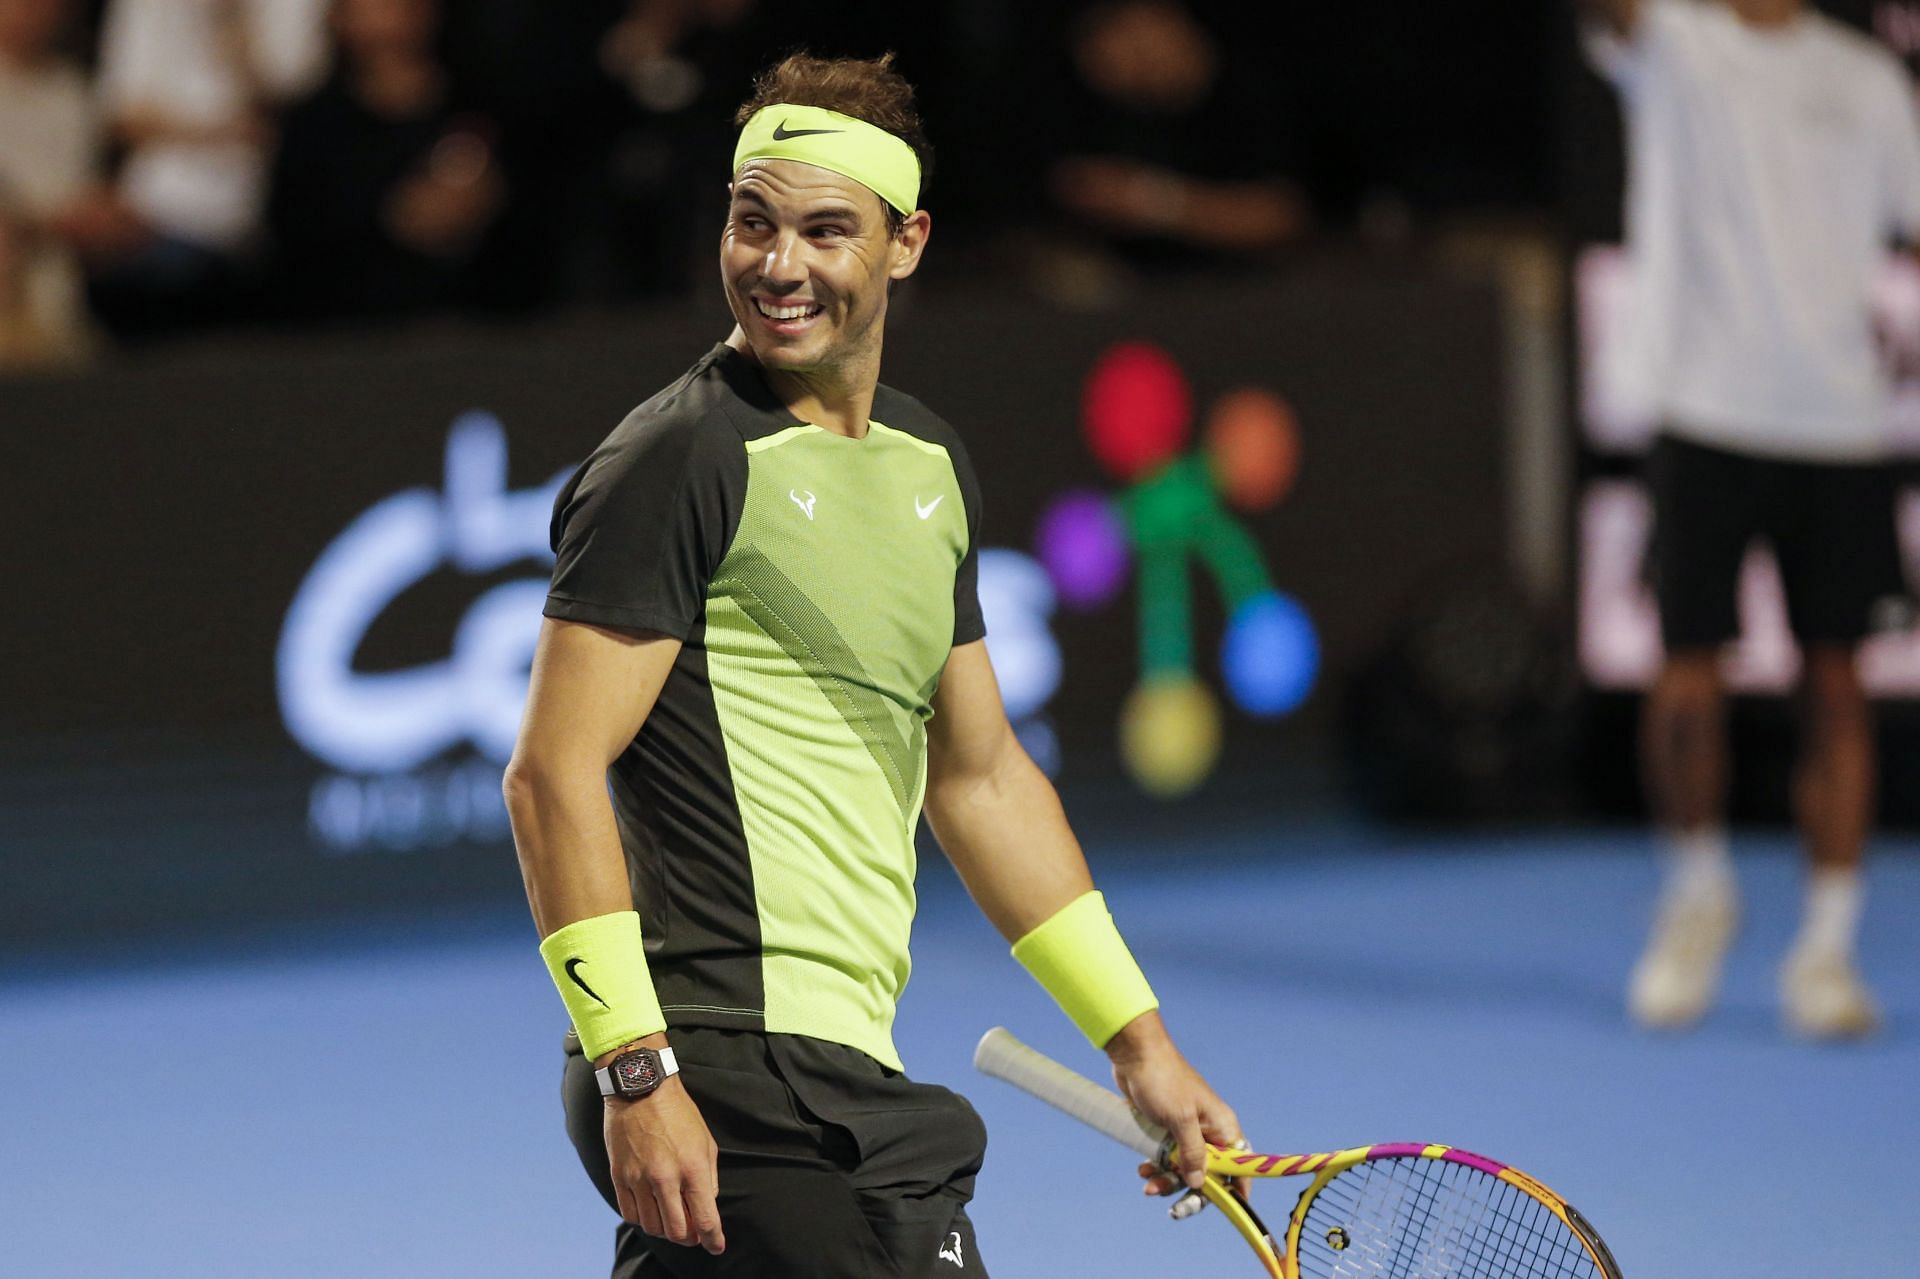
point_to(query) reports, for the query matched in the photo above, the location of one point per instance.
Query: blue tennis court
(381, 1100)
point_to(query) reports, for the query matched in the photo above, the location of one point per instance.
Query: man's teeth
(800, 312)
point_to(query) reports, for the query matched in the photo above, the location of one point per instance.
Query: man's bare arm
(995, 813)
(1000, 822)
(591, 691)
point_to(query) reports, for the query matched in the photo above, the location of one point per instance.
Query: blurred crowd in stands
(169, 165)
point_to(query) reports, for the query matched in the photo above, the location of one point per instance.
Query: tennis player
(762, 656)
(1773, 156)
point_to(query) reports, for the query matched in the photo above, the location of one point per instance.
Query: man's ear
(908, 243)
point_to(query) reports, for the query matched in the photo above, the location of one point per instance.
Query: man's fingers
(705, 1220)
(673, 1213)
(1220, 1124)
(646, 1213)
(1159, 1180)
(1193, 1152)
(1228, 1137)
(623, 1202)
(704, 1215)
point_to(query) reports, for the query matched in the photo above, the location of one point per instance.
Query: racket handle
(1004, 1057)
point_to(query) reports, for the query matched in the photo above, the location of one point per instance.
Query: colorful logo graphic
(1137, 414)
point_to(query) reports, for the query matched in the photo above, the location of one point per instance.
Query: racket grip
(1005, 1057)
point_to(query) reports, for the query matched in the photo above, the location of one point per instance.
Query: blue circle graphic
(1271, 655)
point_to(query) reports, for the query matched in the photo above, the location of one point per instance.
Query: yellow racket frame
(1226, 1166)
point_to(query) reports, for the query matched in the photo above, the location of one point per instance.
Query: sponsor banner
(271, 604)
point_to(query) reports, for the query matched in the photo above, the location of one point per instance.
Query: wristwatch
(636, 1072)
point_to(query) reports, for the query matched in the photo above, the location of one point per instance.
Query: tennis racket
(1400, 1211)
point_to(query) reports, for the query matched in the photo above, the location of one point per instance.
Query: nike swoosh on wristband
(781, 132)
(575, 963)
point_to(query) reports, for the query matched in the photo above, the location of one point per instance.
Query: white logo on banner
(385, 730)
(390, 721)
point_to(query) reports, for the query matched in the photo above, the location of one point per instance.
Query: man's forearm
(568, 843)
(1008, 837)
(577, 886)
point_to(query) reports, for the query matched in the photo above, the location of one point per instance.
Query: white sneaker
(1678, 975)
(1822, 996)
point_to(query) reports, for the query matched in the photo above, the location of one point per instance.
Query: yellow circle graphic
(1170, 734)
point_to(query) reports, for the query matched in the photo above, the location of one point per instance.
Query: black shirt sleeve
(641, 528)
(968, 624)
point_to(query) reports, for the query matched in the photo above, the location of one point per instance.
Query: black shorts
(831, 1165)
(1831, 527)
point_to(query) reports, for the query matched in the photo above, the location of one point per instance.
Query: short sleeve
(968, 622)
(641, 528)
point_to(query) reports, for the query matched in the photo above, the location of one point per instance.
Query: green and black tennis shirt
(818, 583)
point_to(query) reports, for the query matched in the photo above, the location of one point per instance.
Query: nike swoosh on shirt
(924, 511)
(575, 963)
(781, 132)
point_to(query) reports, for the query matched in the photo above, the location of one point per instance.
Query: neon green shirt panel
(828, 624)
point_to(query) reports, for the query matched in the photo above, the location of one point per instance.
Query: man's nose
(783, 264)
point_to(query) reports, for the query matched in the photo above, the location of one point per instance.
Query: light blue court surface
(381, 1102)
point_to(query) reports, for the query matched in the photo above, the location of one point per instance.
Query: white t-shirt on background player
(1769, 170)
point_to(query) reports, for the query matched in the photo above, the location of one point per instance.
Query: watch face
(636, 1072)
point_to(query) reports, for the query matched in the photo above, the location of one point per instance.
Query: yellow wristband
(600, 970)
(1078, 957)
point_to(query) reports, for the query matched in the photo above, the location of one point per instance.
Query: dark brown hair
(865, 88)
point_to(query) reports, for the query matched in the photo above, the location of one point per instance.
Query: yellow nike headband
(868, 154)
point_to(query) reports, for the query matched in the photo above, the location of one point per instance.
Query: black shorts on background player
(832, 1166)
(1831, 527)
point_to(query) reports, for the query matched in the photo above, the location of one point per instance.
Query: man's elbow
(529, 783)
(516, 786)
(979, 779)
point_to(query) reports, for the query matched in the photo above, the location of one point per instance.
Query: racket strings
(1417, 1218)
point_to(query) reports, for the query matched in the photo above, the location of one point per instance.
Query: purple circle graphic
(1083, 543)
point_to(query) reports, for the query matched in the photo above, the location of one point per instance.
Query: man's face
(806, 258)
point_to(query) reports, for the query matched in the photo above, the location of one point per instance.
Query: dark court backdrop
(269, 604)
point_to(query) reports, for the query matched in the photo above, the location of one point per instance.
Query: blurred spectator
(676, 69)
(1169, 149)
(385, 186)
(49, 147)
(189, 87)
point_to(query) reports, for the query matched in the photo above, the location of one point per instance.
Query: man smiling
(764, 631)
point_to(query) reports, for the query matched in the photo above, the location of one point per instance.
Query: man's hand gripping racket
(1400, 1211)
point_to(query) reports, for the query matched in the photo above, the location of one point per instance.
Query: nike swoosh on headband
(781, 132)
